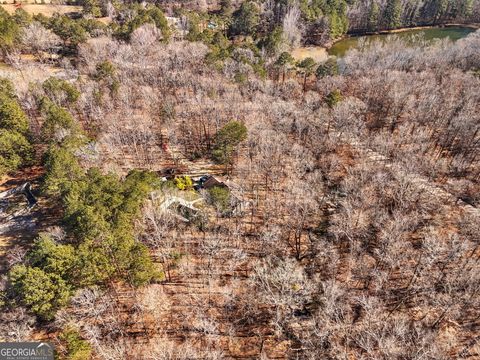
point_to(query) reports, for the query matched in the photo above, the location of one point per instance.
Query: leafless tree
(38, 39)
(291, 26)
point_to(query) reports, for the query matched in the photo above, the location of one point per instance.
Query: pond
(340, 48)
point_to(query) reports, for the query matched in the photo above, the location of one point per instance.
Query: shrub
(183, 182)
(77, 348)
(61, 91)
(333, 98)
(56, 118)
(220, 198)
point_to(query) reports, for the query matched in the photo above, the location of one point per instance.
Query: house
(211, 181)
(238, 201)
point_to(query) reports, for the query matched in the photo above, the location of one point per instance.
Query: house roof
(235, 190)
(212, 182)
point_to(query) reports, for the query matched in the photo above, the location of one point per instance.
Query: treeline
(338, 16)
(248, 40)
(379, 15)
(271, 27)
(19, 30)
(61, 34)
(320, 21)
(279, 25)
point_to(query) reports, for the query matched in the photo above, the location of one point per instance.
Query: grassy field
(45, 9)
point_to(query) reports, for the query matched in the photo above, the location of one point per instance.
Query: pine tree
(307, 66)
(246, 19)
(466, 8)
(9, 30)
(393, 14)
(328, 68)
(52, 257)
(15, 150)
(373, 14)
(283, 61)
(15, 147)
(44, 293)
(226, 141)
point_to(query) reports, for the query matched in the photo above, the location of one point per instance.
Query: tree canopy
(15, 147)
(227, 139)
(245, 19)
(44, 293)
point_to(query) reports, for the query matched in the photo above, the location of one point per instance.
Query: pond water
(454, 33)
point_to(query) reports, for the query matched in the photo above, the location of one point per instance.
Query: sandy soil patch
(317, 53)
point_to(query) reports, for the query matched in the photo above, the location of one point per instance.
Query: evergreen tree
(272, 42)
(393, 14)
(150, 15)
(60, 91)
(465, 8)
(226, 8)
(92, 7)
(9, 30)
(21, 17)
(57, 118)
(245, 19)
(12, 117)
(76, 347)
(62, 171)
(141, 270)
(283, 61)
(373, 15)
(333, 98)
(93, 264)
(52, 257)
(69, 30)
(15, 150)
(328, 68)
(226, 140)
(220, 198)
(307, 68)
(43, 293)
